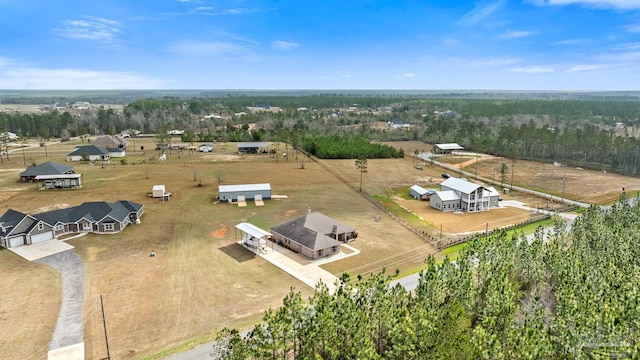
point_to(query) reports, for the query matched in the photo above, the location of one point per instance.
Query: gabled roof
(109, 141)
(449, 146)
(91, 211)
(9, 220)
(310, 230)
(47, 168)
(492, 191)
(252, 144)
(460, 185)
(244, 187)
(89, 150)
(447, 195)
(419, 189)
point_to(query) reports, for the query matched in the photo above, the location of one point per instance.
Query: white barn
(447, 148)
(230, 193)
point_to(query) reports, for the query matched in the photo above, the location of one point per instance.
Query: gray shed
(418, 192)
(230, 193)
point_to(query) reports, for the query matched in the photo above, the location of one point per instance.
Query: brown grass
(200, 280)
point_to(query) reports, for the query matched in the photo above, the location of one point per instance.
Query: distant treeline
(347, 147)
(598, 134)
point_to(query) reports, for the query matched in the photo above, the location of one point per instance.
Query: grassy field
(200, 280)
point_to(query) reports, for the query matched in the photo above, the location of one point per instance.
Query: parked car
(446, 176)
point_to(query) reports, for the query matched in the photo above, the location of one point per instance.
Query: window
(40, 226)
(86, 226)
(334, 248)
(320, 252)
(109, 227)
(59, 227)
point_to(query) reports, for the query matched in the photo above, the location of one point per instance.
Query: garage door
(41, 237)
(16, 241)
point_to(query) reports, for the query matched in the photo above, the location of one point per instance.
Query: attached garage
(41, 237)
(16, 241)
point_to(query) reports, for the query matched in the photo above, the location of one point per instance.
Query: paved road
(69, 327)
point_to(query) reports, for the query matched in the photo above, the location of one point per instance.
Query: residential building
(313, 235)
(18, 229)
(461, 195)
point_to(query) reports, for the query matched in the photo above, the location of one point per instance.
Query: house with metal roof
(314, 235)
(447, 148)
(46, 168)
(459, 194)
(230, 193)
(420, 193)
(18, 229)
(252, 147)
(89, 153)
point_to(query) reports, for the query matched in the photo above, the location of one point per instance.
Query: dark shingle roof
(47, 168)
(309, 230)
(92, 211)
(89, 150)
(10, 219)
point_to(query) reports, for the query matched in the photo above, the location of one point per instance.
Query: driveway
(69, 327)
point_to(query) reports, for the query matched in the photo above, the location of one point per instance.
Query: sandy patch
(50, 208)
(220, 232)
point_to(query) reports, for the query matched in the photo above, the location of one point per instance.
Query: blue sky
(315, 44)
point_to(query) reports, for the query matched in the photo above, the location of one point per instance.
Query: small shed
(418, 192)
(158, 191)
(231, 193)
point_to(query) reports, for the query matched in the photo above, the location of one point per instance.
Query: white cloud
(450, 41)
(481, 11)
(208, 48)
(570, 42)
(25, 77)
(635, 28)
(533, 70)
(516, 34)
(409, 75)
(601, 4)
(91, 28)
(283, 45)
(493, 62)
(583, 68)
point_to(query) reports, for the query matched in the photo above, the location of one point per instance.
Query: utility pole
(512, 165)
(564, 180)
(104, 324)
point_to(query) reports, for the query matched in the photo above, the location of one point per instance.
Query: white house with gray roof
(459, 194)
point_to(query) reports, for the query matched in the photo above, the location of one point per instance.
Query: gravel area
(69, 327)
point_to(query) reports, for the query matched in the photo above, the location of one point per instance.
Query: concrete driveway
(41, 249)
